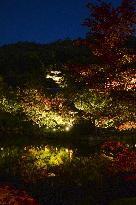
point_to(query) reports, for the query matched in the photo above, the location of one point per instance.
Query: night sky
(42, 21)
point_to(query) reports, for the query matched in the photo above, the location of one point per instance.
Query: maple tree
(109, 29)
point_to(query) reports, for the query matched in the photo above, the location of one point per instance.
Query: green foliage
(36, 107)
(64, 98)
(91, 101)
(94, 104)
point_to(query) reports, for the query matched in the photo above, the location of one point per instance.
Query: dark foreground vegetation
(67, 116)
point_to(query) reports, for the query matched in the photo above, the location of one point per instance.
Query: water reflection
(33, 163)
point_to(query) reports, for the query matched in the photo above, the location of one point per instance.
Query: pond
(53, 153)
(81, 168)
(15, 160)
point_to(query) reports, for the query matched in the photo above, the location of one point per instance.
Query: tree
(109, 29)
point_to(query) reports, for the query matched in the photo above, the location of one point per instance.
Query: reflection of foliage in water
(34, 163)
(9, 159)
(122, 158)
(44, 160)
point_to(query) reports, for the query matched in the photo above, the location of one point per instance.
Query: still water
(52, 158)
(67, 172)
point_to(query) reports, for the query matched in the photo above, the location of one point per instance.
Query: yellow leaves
(39, 109)
(55, 160)
(45, 157)
(128, 58)
(44, 161)
(8, 106)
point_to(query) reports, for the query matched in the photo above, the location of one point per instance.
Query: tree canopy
(109, 30)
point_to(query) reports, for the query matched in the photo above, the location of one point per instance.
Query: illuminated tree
(109, 29)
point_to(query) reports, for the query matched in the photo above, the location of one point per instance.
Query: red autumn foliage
(124, 159)
(53, 102)
(112, 148)
(10, 195)
(109, 28)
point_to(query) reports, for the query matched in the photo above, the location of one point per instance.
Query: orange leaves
(127, 125)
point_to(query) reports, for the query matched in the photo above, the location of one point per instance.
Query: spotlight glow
(67, 128)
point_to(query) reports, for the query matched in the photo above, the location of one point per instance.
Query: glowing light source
(67, 128)
(55, 75)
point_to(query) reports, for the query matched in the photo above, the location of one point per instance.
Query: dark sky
(42, 21)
